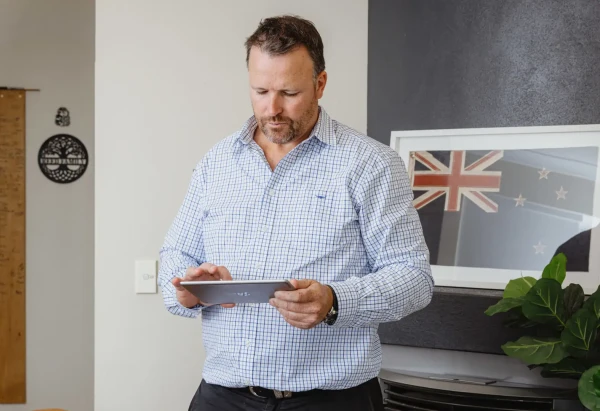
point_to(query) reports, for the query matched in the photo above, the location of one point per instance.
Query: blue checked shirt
(336, 209)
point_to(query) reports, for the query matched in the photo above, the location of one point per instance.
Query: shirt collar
(323, 130)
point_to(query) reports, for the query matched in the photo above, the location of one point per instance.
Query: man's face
(284, 93)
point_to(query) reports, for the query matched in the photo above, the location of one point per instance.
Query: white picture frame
(507, 138)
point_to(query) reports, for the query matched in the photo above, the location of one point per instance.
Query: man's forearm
(390, 294)
(174, 264)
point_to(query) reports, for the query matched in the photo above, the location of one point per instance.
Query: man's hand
(206, 272)
(306, 306)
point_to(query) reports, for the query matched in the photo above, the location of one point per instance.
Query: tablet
(238, 292)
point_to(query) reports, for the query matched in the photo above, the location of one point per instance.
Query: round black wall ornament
(63, 158)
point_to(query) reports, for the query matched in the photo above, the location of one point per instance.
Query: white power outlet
(145, 276)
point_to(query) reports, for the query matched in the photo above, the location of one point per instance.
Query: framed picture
(499, 203)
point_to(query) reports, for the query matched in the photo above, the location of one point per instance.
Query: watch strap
(333, 312)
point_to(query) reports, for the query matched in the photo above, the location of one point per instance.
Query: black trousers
(365, 397)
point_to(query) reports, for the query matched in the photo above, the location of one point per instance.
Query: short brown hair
(281, 34)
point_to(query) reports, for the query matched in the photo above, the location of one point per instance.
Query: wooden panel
(12, 246)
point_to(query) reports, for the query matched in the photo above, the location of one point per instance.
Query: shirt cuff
(191, 312)
(347, 297)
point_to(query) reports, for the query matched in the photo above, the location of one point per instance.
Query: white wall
(171, 81)
(50, 45)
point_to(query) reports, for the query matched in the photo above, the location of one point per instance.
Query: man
(295, 194)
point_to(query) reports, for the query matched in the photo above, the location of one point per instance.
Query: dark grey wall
(477, 63)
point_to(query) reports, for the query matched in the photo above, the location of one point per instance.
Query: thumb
(177, 283)
(302, 283)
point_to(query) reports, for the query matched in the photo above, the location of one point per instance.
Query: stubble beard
(292, 129)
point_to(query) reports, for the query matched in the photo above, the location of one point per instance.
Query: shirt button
(264, 228)
(248, 382)
(248, 343)
(272, 192)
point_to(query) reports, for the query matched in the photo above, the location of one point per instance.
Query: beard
(289, 129)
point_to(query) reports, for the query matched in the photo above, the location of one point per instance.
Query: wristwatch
(333, 312)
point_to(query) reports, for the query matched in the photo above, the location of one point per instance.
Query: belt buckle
(278, 394)
(282, 394)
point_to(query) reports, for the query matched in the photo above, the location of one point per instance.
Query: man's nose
(274, 106)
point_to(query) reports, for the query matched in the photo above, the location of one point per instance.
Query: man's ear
(320, 83)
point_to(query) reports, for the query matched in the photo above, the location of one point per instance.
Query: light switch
(145, 276)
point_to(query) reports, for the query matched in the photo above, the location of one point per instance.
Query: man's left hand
(306, 306)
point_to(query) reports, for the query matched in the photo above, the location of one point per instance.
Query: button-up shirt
(336, 209)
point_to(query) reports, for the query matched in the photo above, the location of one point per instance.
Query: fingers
(300, 320)
(304, 295)
(207, 272)
(299, 284)
(177, 284)
(217, 272)
(209, 268)
(304, 307)
(223, 273)
(197, 273)
(301, 308)
(204, 272)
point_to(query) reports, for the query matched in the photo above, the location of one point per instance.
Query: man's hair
(282, 34)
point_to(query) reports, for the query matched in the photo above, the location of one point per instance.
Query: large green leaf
(516, 319)
(593, 303)
(556, 268)
(596, 380)
(566, 368)
(588, 389)
(533, 350)
(574, 296)
(580, 333)
(518, 287)
(544, 302)
(504, 305)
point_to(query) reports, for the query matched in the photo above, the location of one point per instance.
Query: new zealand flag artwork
(506, 209)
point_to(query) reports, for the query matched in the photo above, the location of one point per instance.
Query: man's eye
(290, 94)
(261, 92)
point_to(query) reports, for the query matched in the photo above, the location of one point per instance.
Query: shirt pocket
(327, 224)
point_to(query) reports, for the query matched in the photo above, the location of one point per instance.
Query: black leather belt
(261, 392)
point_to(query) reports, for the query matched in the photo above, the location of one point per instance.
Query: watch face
(330, 317)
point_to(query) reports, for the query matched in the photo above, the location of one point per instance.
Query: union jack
(455, 180)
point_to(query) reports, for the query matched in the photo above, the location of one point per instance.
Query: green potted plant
(564, 339)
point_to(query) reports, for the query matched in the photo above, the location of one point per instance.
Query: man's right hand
(206, 272)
